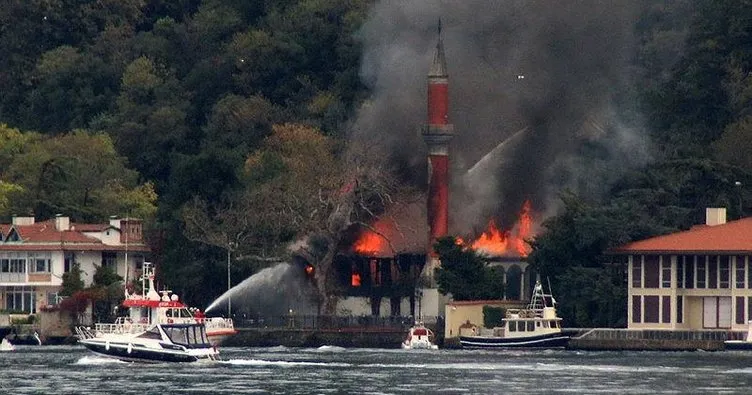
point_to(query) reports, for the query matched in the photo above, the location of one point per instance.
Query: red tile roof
(71, 247)
(731, 237)
(45, 231)
(90, 227)
(43, 236)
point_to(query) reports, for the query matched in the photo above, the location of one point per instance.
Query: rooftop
(731, 237)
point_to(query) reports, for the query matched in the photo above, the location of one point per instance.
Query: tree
(150, 123)
(7, 190)
(465, 274)
(107, 292)
(79, 174)
(300, 186)
(72, 281)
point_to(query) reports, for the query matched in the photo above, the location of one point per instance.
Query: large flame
(373, 243)
(497, 242)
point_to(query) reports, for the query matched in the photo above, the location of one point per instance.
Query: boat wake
(89, 360)
(330, 349)
(284, 364)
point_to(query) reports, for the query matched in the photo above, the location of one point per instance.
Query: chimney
(437, 133)
(22, 221)
(62, 223)
(114, 221)
(715, 216)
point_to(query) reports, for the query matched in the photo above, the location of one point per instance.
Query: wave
(89, 360)
(331, 349)
(741, 370)
(261, 362)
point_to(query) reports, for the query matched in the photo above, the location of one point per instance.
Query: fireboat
(159, 327)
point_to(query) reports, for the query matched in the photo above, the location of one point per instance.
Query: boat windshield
(187, 335)
(152, 333)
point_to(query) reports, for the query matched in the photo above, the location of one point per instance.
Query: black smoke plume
(549, 74)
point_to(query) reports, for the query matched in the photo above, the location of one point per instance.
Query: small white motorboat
(419, 338)
(5, 345)
(160, 343)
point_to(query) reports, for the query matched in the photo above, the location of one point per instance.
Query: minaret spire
(437, 134)
(438, 67)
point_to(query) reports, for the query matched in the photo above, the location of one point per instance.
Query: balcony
(12, 277)
(40, 277)
(23, 278)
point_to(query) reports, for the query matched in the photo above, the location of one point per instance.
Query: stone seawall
(645, 345)
(649, 340)
(247, 337)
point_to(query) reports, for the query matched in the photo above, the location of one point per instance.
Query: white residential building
(35, 255)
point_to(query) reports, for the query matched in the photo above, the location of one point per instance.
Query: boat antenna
(551, 292)
(126, 254)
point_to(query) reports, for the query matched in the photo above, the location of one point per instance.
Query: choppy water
(280, 370)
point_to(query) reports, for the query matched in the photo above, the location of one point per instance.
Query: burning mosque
(395, 262)
(535, 109)
(537, 106)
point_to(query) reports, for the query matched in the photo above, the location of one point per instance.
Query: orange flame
(372, 243)
(496, 242)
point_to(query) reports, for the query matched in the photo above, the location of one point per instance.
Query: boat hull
(5, 331)
(551, 340)
(737, 345)
(217, 337)
(136, 353)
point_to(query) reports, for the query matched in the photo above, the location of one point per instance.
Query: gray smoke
(273, 291)
(555, 69)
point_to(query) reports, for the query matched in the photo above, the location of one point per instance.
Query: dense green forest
(223, 124)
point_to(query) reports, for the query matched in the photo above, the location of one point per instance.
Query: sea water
(328, 369)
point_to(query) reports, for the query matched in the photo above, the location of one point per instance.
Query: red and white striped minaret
(437, 134)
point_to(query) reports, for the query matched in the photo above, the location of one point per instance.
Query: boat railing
(126, 327)
(84, 333)
(524, 313)
(218, 323)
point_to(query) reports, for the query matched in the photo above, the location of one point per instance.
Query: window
(18, 265)
(651, 308)
(68, 261)
(139, 259)
(636, 309)
(109, 259)
(739, 309)
(4, 265)
(53, 298)
(666, 272)
(375, 272)
(665, 309)
(689, 276)
(530, 326)
(723, 268)
(20, 299)
(680, 271)
(652, 274)
(679, 309)
(740, 276)
(40, 265)
(713, 272)
(637, 271)
(701, 272)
